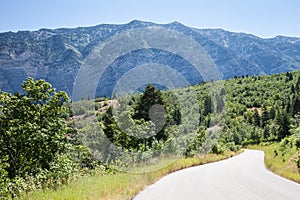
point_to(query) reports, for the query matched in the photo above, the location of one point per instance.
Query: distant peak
(135, 21)
(139, 22)
(176, 22)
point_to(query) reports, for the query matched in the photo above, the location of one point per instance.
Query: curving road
(242, 177)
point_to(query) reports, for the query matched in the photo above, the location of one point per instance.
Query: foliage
(37, 145)
(43, 148)
(138, 130)
(149, 99)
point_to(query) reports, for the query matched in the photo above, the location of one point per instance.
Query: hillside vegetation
(48, 141)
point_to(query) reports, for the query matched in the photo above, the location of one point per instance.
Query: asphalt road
(243, 177)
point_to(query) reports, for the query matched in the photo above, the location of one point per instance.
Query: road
(242, 177)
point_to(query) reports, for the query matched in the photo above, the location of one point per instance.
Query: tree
(264, 117)
(272, 113)
(283, 123)
(177, 115)
(289, 76)
(297, 84)
(256, 118)
(222, 92)
(296, 105)
(110, 125)
(207, 105)
(220, 104)
(266, 132)
(32, 128)
(293, 89)
(150, 99)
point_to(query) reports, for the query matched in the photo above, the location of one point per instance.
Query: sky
(263, 18)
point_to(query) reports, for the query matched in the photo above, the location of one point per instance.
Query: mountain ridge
(57, 54)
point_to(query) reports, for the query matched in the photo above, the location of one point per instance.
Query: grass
(122, 185)
(283, 165)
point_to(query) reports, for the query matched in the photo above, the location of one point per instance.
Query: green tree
(33, 131)
(283, 123)
(220, 104)
(110, 125)
(296, 105)
(272, 113)
(256, 118)
(264, 116)
(207, 105)
(266, 132)
(150, 98)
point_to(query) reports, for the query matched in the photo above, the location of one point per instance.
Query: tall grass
(121, 185)
(283, 165)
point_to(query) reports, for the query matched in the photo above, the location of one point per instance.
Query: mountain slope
(56, 55)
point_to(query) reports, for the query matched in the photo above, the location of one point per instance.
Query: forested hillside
(47, 140)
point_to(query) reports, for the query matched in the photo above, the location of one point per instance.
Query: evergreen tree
(150, 98)
(220, 104)
(272, 113)
(177, 115)
(289, 76)
(296, 105)
(256, 118)
(266, 133)
(222, 92)
(292, 89)
(110, 125)
(207, 105)
(298, 84)
(283, 125)
(264, 117)
(288, 107)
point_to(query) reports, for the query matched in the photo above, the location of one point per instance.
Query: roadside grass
(283, 165)
(122, 185)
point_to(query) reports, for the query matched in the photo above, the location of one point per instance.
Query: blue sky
(264, 18)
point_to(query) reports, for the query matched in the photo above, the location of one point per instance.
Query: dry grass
(122, 185)
(283, 165)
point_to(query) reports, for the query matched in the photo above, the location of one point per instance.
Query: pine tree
(288, 107)
(220, 104)
(292, 89)
(264, 117)
(256, 118)
(290, 77)
(296, 105)
(272, 113)
(266, 132)
(150, 98)
(283, 125)
(298, 81)
(207, 105)
(109, 125)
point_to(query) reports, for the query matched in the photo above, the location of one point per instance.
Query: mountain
(57, 55)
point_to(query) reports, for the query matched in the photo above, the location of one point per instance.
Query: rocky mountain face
(57, 55)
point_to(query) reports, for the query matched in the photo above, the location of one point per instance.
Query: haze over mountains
(56, 55)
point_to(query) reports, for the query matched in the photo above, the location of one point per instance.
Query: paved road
(243, 177)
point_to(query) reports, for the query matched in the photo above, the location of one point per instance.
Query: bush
(217, 149)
